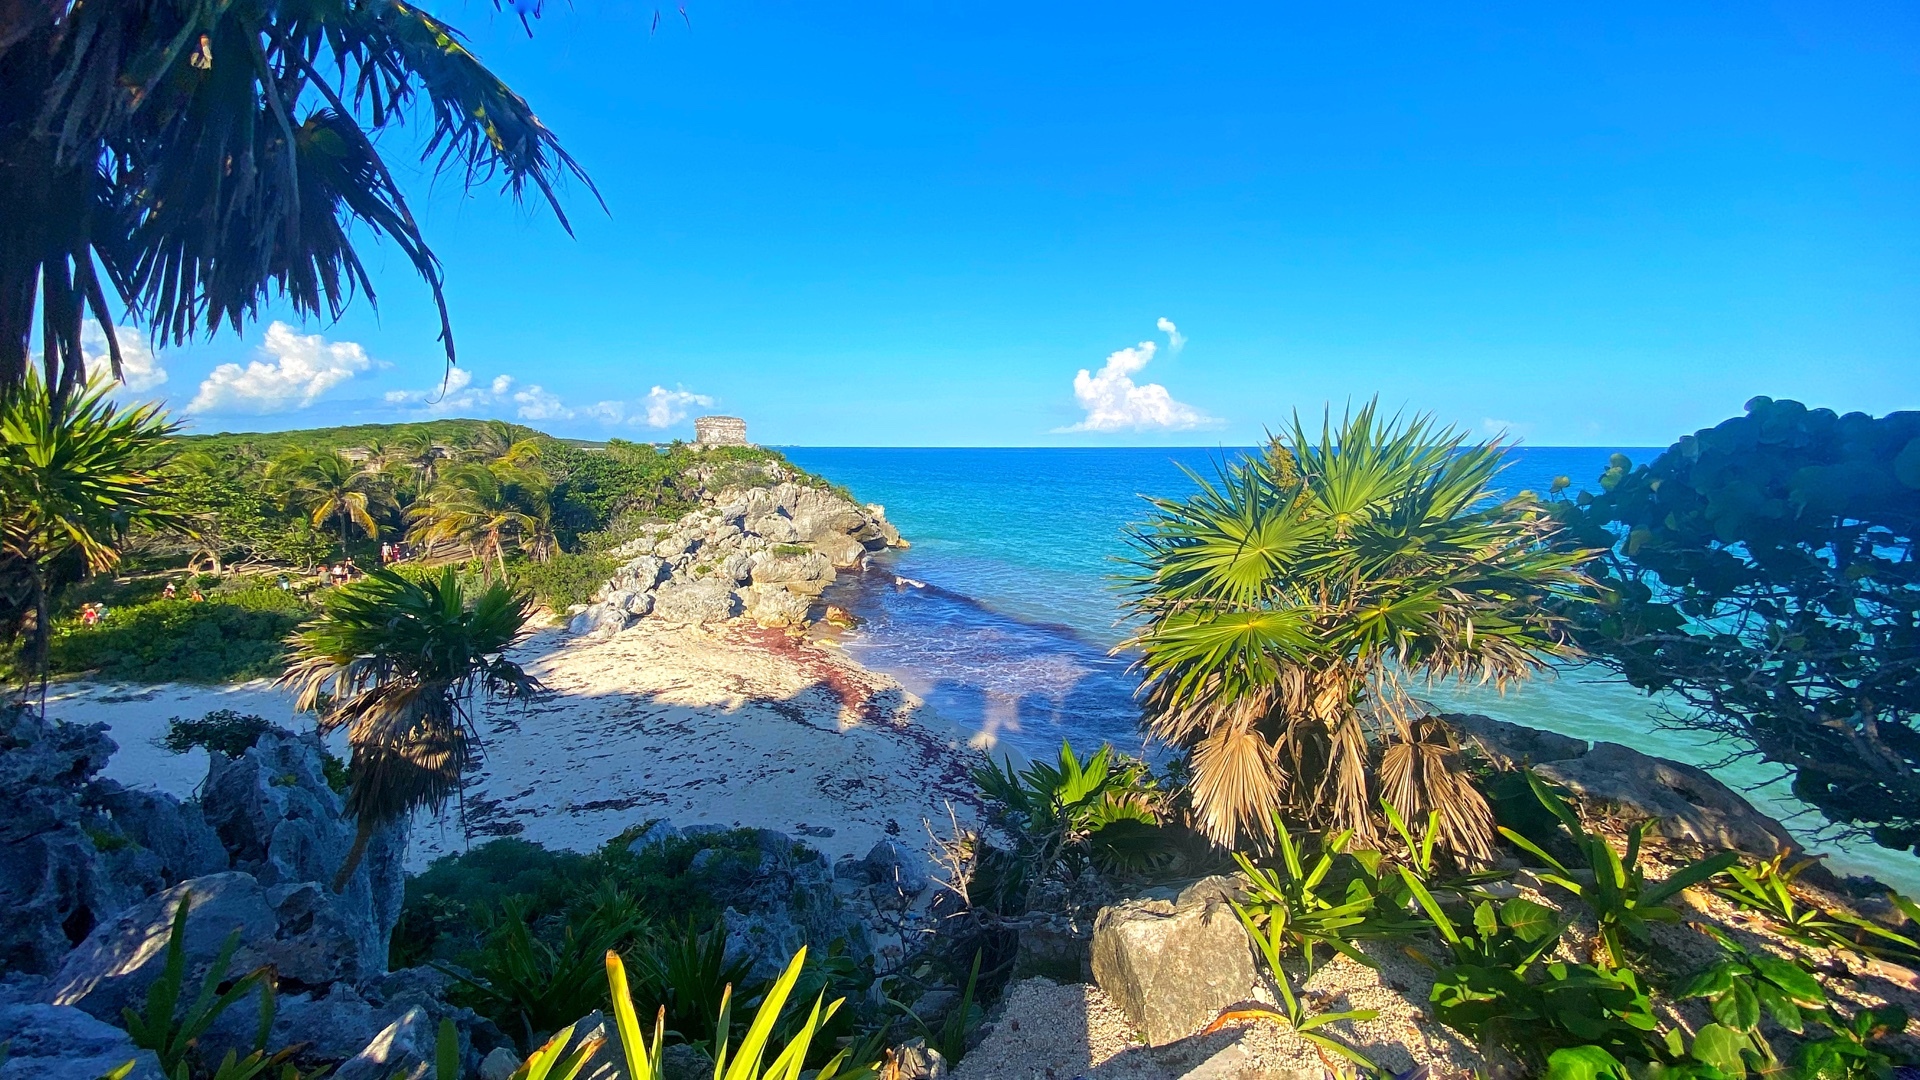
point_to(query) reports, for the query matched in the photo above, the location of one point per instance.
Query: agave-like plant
(1285, 607)
(75, 477)
(397, 664)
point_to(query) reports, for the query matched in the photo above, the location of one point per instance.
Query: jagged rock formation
(76, 849)
(762, 553)
(93, 872)
(50, 1042)
(1681, 802)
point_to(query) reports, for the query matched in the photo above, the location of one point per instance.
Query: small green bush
(565, 580)
(791, 549)
(224, 731)
(238, 636)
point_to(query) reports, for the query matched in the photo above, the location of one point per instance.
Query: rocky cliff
(763, 553)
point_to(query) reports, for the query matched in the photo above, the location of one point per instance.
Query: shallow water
(1003, 612)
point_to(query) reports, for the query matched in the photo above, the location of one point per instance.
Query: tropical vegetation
(76, 475)
(1762, 576)
(199, 160)
(397, 664)
(1285, 610)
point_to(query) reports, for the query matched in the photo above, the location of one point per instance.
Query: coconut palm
(487, 508)
(397, 665)
(197, 159)
(417, 451)
(75, 477)
(1286, 607)
(328, 487)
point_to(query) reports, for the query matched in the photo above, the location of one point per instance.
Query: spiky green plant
(397, 664)
(1622, 899)
(1284, 607)
(1105, 807)
(75, 477)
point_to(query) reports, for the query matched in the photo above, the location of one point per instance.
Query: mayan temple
(720, 431)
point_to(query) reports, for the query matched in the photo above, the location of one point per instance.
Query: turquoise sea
(1003, 613)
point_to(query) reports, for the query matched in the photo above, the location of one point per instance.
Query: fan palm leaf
(1281, 605)
(397, 664)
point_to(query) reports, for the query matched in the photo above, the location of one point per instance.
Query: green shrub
(238, 636)
(224, 731)
(565, 580)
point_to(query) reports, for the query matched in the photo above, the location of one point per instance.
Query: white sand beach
(727, 725)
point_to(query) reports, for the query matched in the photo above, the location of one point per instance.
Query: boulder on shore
(54, 1042)
(1683, 802)
(1171, 964)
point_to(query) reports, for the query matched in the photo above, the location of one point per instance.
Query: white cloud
(661, 407)
(666, 408)
(537, 403)
(456, 395)
(1175, 339)
(1114, 402)
(299, 369)
(141, 369)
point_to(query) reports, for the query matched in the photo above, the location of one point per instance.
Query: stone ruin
(720, 431)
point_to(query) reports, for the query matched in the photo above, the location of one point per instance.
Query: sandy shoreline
(726, 725)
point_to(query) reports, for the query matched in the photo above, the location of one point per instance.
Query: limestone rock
(696, 602)
(737, 568)
(915, 1060)
(807, 573)
(55, 1042)
(599, 619)
(842, 551)
(1511, 744)
(776, 527)
(176, 833)
(499, 1064)
(402, 1049)
(638, 575)
(775, 605)
(1171, 966)
(54, 887)
(1683, 802)
(281, 823)
(112, 969)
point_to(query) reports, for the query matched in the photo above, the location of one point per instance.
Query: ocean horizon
(1005, 614)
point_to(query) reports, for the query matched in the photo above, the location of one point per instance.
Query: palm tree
(484, 507)
(328, 487)
(199, 159)
(397, 664)
(1284, 609)
(75, 477)
(416, 450)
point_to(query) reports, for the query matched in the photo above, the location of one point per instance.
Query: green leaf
(1712, 982)
(1585, 1063)
(1528, 920)
(1720, 1047)
(1797, 981)
(1737, 1008)
(1779, 1006)
(1485, 922)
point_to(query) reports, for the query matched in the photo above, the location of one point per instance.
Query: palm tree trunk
(42, 633)
(362, 832)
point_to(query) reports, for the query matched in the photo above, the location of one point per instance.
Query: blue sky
(916, 223)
